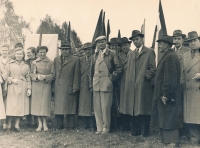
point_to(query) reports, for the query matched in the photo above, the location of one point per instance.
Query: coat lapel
(170, 50)
(191, 62)
(68, 60)
(142, 51)
(84, 65)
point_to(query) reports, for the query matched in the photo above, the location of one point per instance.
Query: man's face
(65, 52)
(115, 47)
(101, 44)
(125, 47)
(137, 41)
(194, 44)
(4, 51)
(162, 46)
(178, 41)
(88, 52)
(30, 55)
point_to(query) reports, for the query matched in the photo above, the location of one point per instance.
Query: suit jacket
(113, 64)
(191, 66)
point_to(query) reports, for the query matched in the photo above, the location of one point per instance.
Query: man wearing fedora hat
(66, 86)
(114, 44)
(141, 69)
(85, 110)
(106, 68)
(191, 76)
(167, 102)
(125, 47)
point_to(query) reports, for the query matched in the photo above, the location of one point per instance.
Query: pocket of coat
(106, 84)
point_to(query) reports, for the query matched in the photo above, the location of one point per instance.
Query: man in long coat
(125, 47)
(141, 69)
(106, 68)
(67, 81)
(167, 104)
(85, 110)
(114, 45)
(191, 75)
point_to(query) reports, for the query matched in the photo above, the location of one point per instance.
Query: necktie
(192, 53)
(137, 51)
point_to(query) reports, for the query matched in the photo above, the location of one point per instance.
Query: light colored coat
(138, 91)
(41, 90)
(17, 100)
(191, 88)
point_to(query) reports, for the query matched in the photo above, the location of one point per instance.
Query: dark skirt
(169, 136)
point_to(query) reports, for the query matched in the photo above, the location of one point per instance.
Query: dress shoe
(45, 128)
(98, 132)
(105, 131)
(39, 129)
(17, 129)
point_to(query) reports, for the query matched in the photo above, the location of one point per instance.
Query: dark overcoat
(67, 79)
(85, 96)
(124, 59)
(167, 83)
(139, 91)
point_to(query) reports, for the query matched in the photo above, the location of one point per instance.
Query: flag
(104, 28)
(154, 38)
(99, 28)
(143, 31)
(108, 30)
(161, 30)
(69, 33)
(119, 34)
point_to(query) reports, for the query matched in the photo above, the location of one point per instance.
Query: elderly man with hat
(106, 68)
(66, 86)
(85, 110)
(141, 68)
(191, 75)
(114, 44)
(125, 47)
(167, 102)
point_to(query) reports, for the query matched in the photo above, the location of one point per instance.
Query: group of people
(120, 87)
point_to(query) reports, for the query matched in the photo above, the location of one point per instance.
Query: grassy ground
(79, 138)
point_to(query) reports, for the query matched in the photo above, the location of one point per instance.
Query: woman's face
(19, 55)
(42, 53)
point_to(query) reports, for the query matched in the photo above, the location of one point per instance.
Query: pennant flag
(108, 30)
(143, 31)
(69, 33)
(154, 38)
(161, 30)
(99, 28)
(119, 34)
(104, 28)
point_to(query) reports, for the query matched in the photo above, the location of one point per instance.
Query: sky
(126, 15)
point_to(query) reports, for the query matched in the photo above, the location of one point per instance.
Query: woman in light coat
(42, 74)
(19, 88)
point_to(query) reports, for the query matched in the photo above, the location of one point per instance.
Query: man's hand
(41, 77)
(197, 76)
(15, 81)
(29, 92)
(164, 100)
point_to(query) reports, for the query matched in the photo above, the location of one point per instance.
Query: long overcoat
(167, 84)
(17, 99)
(124, 60)
(85, 96)
(191, 66)
(67, 79)
(139, 91)
(41, 90)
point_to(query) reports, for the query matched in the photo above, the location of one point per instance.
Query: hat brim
(161, 40)
(126, 42)
(192, 39)
(64, 47)
(113, 43)
(183, 35)
(141, 35)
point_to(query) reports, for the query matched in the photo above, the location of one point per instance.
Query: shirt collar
(140, 49)
(176, 49)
